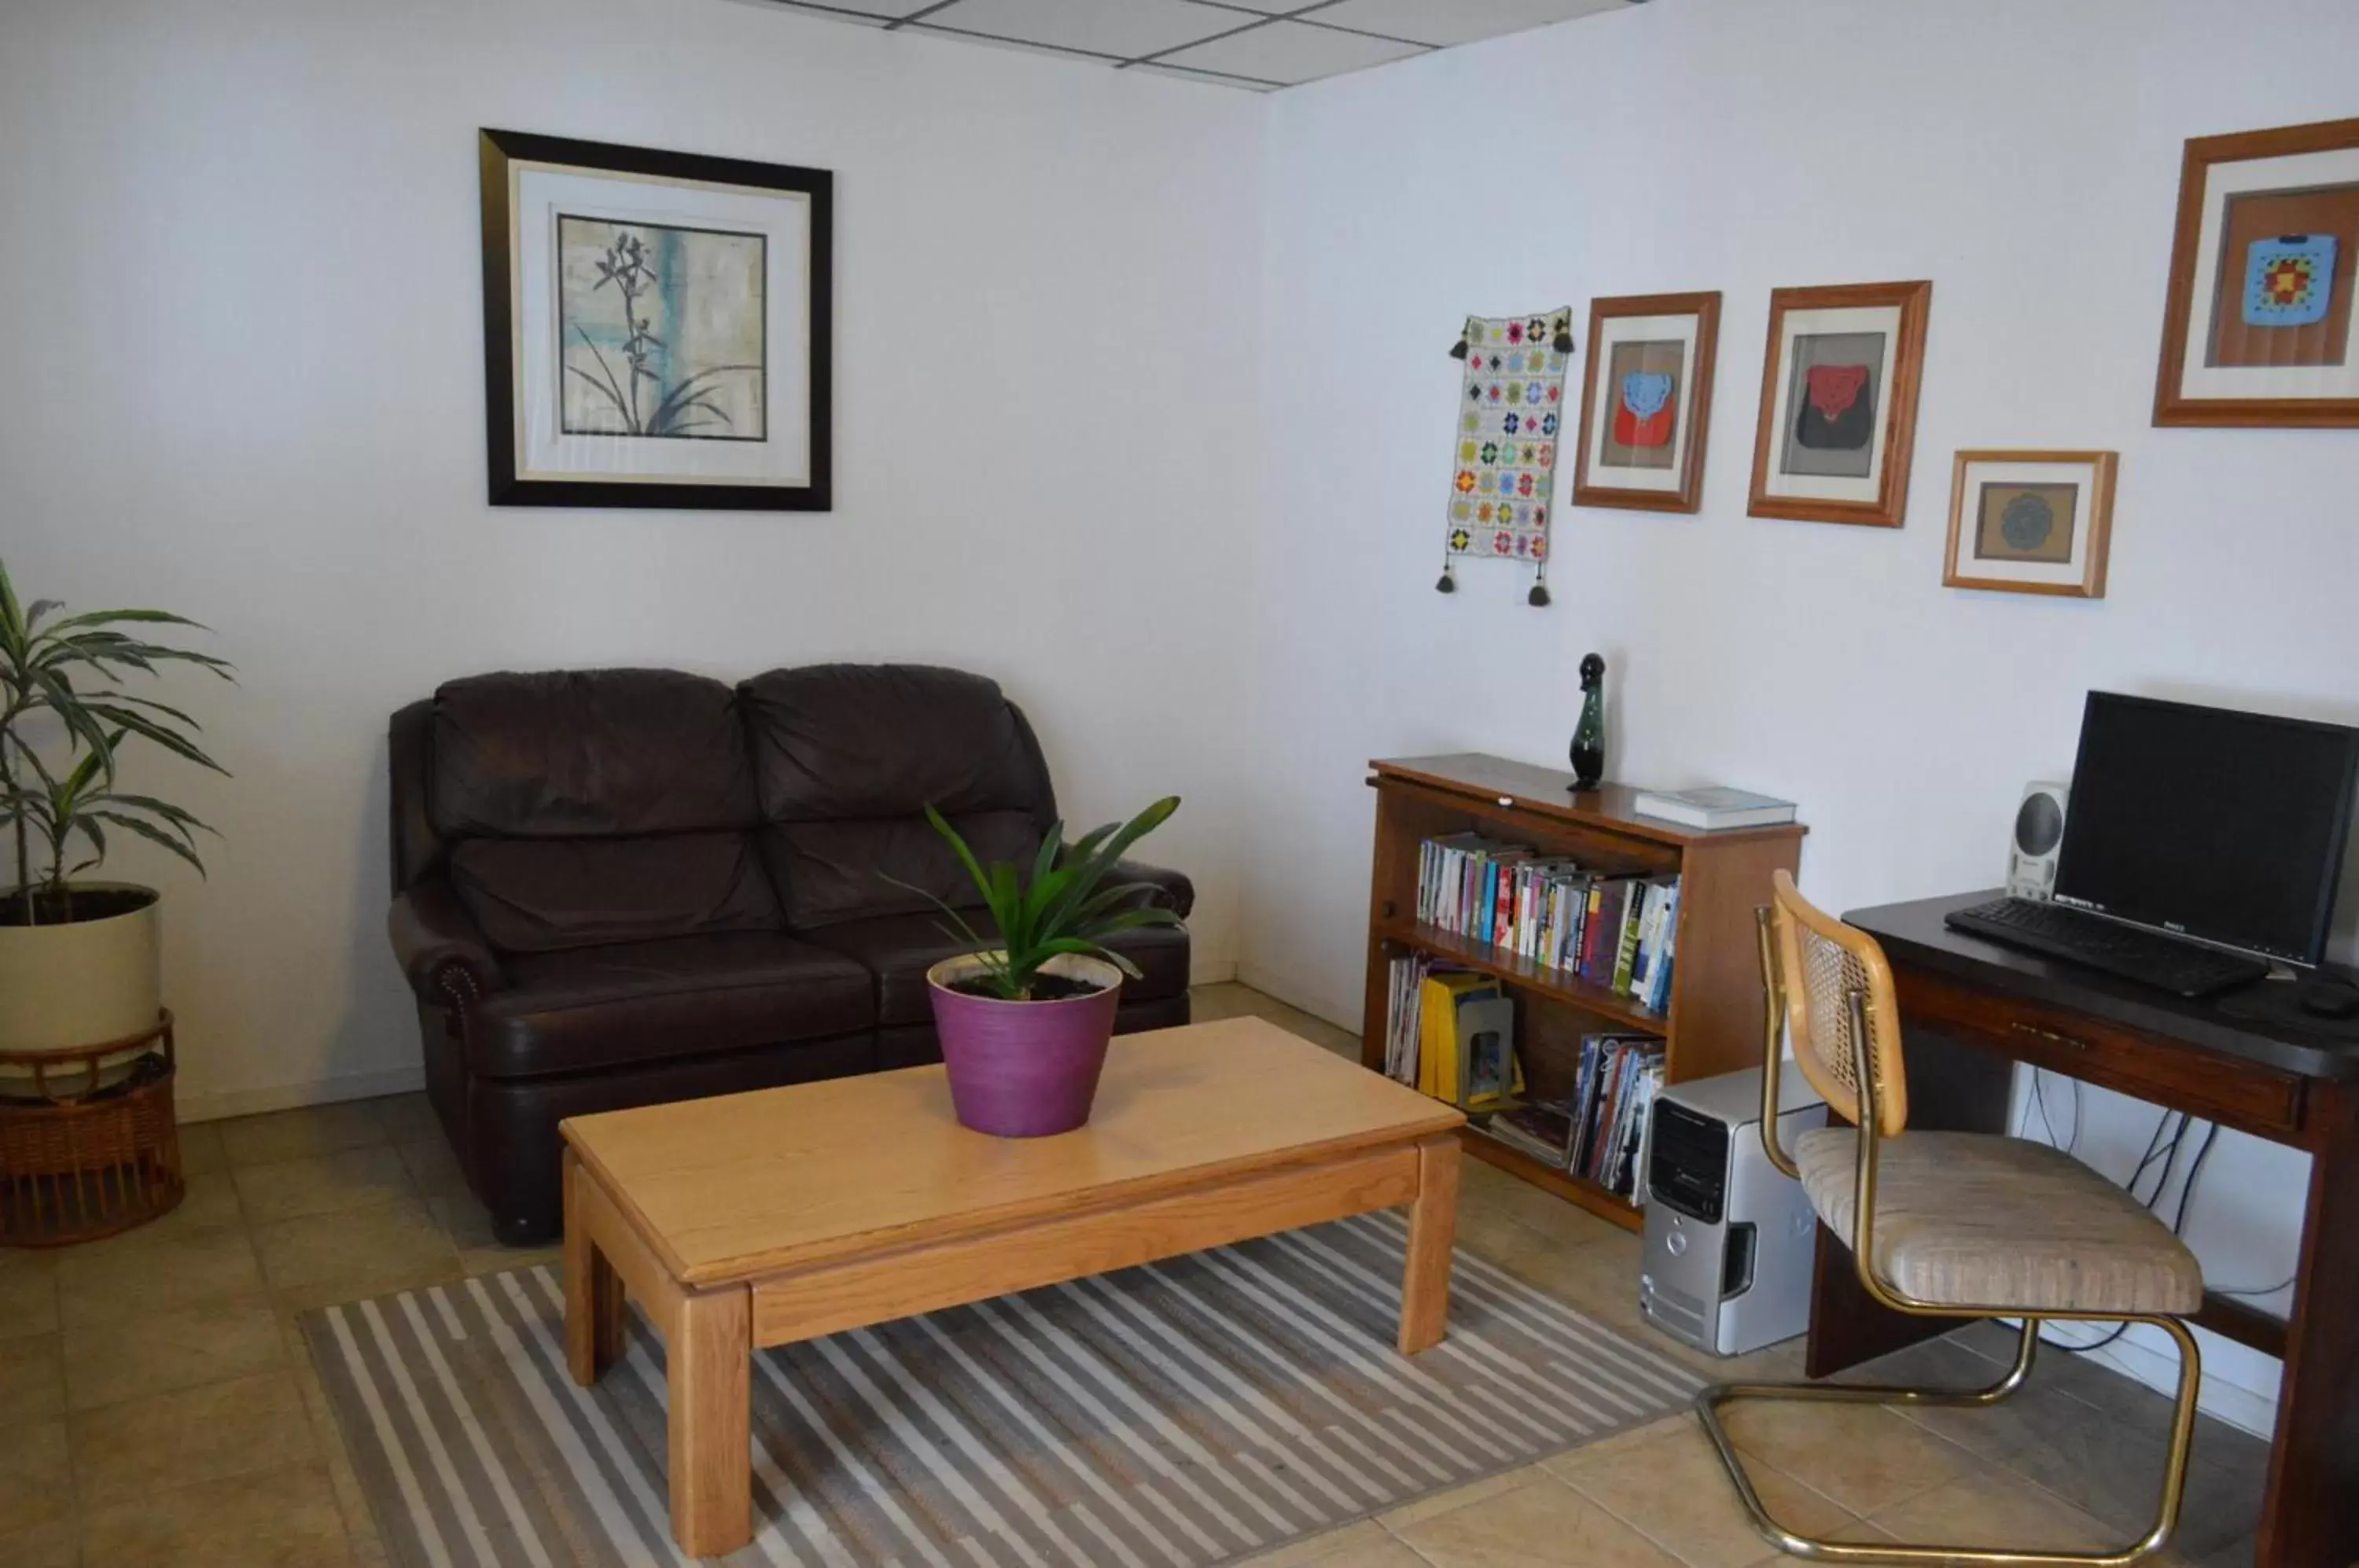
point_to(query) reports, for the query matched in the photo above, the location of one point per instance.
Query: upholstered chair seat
(1966, 1219)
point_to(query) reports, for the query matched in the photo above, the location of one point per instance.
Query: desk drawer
(2165, 1071)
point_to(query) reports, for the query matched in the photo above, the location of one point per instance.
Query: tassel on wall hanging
(1503, 485)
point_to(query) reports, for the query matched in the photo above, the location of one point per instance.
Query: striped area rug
(1177, 1415)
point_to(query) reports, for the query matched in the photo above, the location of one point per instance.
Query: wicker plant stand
(82, 1158)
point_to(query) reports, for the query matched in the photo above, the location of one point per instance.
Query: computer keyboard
(2059, 931)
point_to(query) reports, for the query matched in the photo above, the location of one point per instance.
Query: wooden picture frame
(1650, 460)
(1838, 422)
(2259, 328)
(657, 327)
(2003, 518)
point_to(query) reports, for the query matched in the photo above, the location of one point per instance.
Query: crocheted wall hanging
(1503, 485)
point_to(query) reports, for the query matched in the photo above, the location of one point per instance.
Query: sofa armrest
(445, 957)
(1173, 891)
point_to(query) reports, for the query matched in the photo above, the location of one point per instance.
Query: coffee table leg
(1432, 1231)
(593, 1291)
(709, 1364)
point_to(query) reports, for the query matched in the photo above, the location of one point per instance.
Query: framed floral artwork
(2259, 329)
(2031, 522)
(1838, 402)
(656, 327)
(1645, 401)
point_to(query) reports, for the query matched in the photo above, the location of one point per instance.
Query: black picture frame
(496, 150)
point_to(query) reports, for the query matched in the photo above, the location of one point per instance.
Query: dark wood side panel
(2311, 1512)
(1716, 1000)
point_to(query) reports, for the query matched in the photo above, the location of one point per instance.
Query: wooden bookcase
(1713, 1022)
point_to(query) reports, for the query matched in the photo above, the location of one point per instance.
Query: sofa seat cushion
(899, 949)
(610, 1006)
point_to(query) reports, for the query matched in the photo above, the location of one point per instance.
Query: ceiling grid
(1257, 45)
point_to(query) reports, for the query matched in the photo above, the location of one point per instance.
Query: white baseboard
(1270, 985)
(2240, 1407)
(288, 1096)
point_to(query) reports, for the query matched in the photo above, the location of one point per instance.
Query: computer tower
(1729, 1238)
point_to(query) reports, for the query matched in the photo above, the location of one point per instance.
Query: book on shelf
(1404, 982)
(1614, 930)
(1713, 806)
(1613, 1091)
(1541, 1129)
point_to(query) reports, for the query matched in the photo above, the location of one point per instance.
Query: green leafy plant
(71, 669)
(1064, 906)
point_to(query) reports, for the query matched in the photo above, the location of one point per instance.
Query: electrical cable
(2040, 1076)
(2162, 1146)
(2039, 1104)
(2178, 1225)
(2179, 1220)
(2156, 1147)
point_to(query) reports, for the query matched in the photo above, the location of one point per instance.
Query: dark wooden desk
(1971, 1009)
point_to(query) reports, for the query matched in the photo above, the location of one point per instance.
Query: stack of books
(1598, 1132)
(1620, 932)
(1616, 1087)
(1542, 1129)
(1714, 806)
(1404, 990)
(1449, 1033)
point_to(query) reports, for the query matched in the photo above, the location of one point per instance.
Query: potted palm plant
(78, 958)
(1025, 1020)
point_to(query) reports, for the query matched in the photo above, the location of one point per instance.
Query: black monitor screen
(2211, 822)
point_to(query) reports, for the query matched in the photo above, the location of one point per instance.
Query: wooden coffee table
(783, 1214)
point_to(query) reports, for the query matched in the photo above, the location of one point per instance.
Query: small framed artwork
(656, 327)
(1646, 401)
(1839, 403)
(2031, 522)
(2259, 328)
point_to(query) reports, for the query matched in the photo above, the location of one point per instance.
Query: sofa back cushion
(547, 895)
(847, 756)
(584, 807)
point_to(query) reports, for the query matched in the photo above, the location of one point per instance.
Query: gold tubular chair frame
(1709, 1402)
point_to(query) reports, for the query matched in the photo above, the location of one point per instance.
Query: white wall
(2024, 155)
(239, 246)
(238, 242)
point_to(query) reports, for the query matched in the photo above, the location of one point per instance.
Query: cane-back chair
(1951, 1225)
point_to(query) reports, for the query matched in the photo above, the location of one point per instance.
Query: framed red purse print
(2260, 328)
(1839, 403)
(1645, 401)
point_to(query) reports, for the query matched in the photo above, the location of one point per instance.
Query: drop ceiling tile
(1122, 29)
(1212, 78)
(1290, 51)
(1456, 21)
(865, 13)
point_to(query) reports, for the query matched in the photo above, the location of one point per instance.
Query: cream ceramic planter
(81, 983)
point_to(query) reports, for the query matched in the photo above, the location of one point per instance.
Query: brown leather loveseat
(619, 887)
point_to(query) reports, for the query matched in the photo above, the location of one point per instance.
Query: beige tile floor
(156, 1407)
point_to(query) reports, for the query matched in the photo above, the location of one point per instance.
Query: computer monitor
(2208, 822)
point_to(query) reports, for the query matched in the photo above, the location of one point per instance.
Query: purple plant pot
(1023, 1068)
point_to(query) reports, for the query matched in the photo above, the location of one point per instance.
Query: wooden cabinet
(1713, 1022)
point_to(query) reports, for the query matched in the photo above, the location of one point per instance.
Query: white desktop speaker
(2031, 848)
